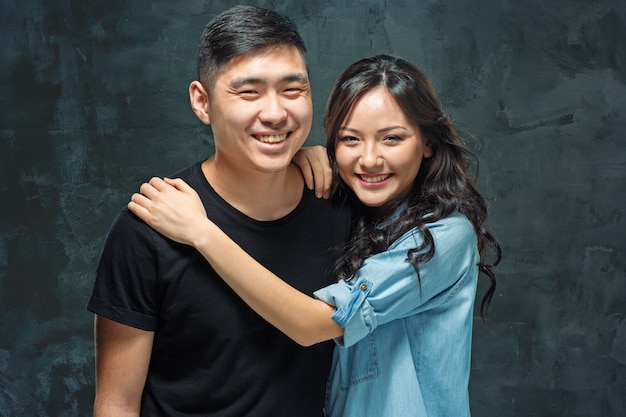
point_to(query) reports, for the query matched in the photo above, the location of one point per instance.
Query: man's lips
(271, 138)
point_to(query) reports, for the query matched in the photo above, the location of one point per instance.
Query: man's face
(260, 109)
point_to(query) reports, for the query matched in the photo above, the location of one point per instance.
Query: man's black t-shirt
(212, 354)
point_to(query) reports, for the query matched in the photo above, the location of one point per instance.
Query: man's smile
(271, 138)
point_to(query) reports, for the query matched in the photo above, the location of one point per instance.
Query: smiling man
(172, 339)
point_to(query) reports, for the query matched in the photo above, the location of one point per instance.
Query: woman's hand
(316, 170)
(172, 208)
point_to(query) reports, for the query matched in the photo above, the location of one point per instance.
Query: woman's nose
(370, 157)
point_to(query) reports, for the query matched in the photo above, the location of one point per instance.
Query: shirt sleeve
(387, 287)
(126, 277)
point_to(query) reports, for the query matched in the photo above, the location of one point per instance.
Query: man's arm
(122, 359)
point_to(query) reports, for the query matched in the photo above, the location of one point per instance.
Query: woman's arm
(174, 209)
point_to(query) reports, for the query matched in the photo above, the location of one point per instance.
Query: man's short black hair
(242, 30)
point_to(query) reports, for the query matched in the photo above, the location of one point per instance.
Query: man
(171, 338)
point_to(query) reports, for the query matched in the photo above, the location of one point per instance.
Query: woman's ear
(428, 150)
(199, 102)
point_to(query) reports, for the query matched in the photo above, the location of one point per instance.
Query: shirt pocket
(359, 362)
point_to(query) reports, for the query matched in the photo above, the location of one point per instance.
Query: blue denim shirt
(406, 347)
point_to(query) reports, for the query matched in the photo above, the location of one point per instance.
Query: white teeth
(272, 138)
(377, 178)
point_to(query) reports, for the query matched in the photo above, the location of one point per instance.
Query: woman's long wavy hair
(443, 185)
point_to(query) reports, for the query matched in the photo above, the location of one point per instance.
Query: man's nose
(273, 111)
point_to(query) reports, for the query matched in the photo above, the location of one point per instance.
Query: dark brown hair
(443, 185)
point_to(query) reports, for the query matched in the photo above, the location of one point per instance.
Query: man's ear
(199, 102)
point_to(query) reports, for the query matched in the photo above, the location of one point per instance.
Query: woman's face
(379, 150)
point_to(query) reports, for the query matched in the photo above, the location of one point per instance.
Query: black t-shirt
(212, 354)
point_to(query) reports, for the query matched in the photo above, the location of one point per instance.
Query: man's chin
(273, 167)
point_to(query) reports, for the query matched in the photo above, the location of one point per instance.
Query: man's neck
(261, 196)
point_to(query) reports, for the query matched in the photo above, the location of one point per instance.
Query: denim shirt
(406, 344)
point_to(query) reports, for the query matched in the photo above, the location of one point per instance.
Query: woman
(401, 311)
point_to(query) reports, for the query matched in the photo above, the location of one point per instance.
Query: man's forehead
(284, 63)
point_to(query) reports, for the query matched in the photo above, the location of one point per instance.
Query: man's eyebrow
(241, 81)
(296, 77)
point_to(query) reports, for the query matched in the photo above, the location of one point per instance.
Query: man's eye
(292, 91)
(248, 94)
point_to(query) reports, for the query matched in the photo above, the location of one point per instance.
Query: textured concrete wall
(93, 100)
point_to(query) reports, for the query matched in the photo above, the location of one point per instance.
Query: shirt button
(363, 287)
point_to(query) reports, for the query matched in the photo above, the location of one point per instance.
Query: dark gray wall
(93, 100)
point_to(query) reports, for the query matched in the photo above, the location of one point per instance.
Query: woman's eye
(393, 138)
(348, 139)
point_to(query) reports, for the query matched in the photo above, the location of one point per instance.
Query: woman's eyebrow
(383, 130)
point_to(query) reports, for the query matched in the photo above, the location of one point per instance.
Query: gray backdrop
(93, 100)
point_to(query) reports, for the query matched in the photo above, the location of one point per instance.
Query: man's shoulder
(127, 227)
(332, 204)
(128, 230)
(336, 213)
(191, 174)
